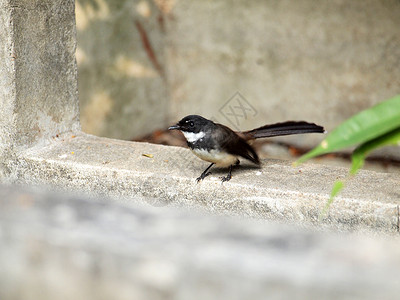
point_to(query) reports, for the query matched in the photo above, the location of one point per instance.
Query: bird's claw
(226, 178)
(202, 176)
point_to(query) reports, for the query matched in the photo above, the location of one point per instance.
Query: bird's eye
(191, 124)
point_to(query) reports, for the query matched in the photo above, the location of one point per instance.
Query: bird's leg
(205, 173)
(229, 176)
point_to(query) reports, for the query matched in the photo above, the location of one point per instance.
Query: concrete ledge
(63, 247)
(277, 191)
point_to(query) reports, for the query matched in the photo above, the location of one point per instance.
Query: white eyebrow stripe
(192, 137)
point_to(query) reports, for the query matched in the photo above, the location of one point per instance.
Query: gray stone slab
(116, 168)
(56, 246)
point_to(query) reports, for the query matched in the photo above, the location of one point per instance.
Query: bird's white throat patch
(192, 137)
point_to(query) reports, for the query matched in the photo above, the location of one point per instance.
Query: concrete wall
(38, 83)
(120, 54)
(320, 61)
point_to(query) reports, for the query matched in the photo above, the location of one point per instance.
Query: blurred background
(142, 66)
(145, 64)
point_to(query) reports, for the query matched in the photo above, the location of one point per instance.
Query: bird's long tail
(284, 128)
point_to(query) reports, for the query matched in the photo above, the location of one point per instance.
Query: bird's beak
(174, 127)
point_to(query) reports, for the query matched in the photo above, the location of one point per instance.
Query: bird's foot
(202, 176)
(229, 176)
(205, 173)
(226, 178)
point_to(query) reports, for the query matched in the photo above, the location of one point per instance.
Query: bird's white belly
(221, 159)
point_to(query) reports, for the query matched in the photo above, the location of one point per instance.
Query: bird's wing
(234, 144)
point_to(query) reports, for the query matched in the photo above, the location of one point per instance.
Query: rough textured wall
(7, 82)
(320, 61)
(38, 84)
(122, 84)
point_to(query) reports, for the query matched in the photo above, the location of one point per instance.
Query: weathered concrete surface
(38, 82)
(122, 85)
(320, 62)
(116, 168)
(60, 247)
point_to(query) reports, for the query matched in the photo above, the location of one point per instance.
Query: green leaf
(362, 127)
(337, 187)
(358, 157)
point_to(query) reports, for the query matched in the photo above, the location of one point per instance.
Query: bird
(221, 146)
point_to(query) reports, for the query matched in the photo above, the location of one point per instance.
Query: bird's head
(192, 123)
(193, 127)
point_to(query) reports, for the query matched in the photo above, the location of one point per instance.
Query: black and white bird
(220, 145)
